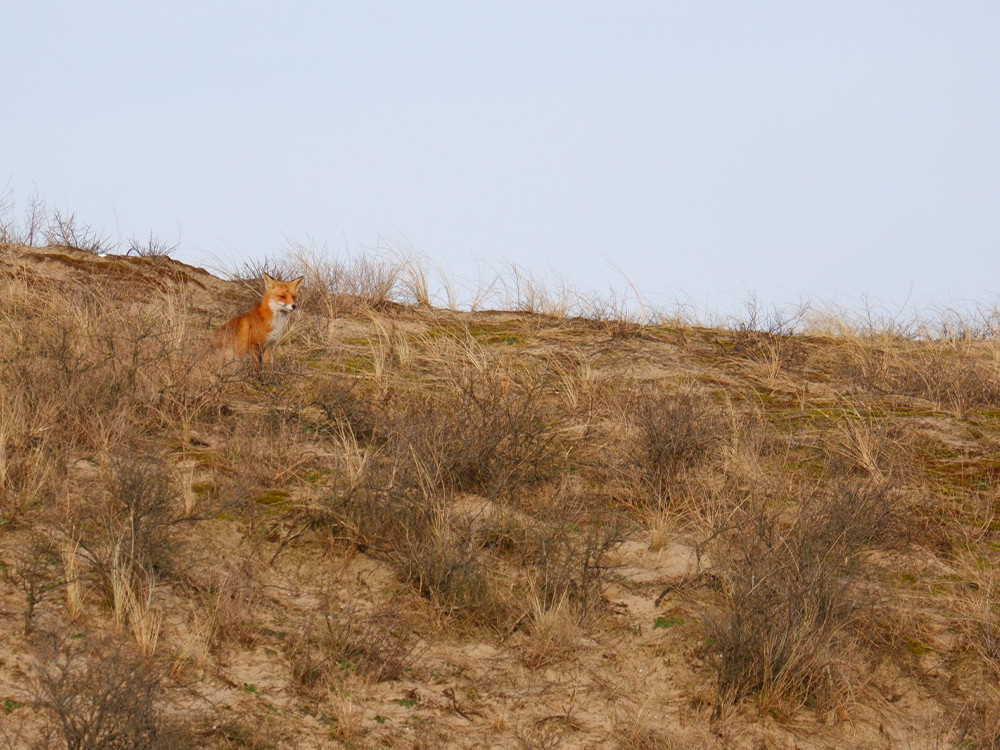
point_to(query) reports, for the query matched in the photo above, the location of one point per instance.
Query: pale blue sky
(706, 149)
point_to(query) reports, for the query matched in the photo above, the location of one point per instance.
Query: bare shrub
(569, 554)
(35, 214)
(489, 431)
(250, 273)
(440, 552)
(441, 555)
(67, 231)
(128, 535)
(153, 247)
(674, 433)
(145, 499)
(790, 595)
(8, 228)
(99, 694)
(36, 572)
(377, 645)
(452, 556)
(357, 515)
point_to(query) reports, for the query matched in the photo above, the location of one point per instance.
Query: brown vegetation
(431, 528)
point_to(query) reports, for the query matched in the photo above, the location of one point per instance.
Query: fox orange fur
(256, 332)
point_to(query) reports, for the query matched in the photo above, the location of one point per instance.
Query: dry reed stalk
(350, 716)
(144, 620)
(74, 587)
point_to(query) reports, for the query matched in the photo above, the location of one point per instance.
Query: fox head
(280, 295)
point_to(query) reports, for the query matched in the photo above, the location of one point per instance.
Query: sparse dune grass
(560, 521)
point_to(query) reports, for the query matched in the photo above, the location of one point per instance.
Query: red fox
(256, 331)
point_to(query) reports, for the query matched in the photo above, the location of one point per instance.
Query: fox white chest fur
(279, 319)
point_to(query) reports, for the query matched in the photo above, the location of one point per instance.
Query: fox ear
(268, 281)
(295, 282)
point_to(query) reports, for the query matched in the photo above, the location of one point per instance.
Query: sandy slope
(248, 596)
